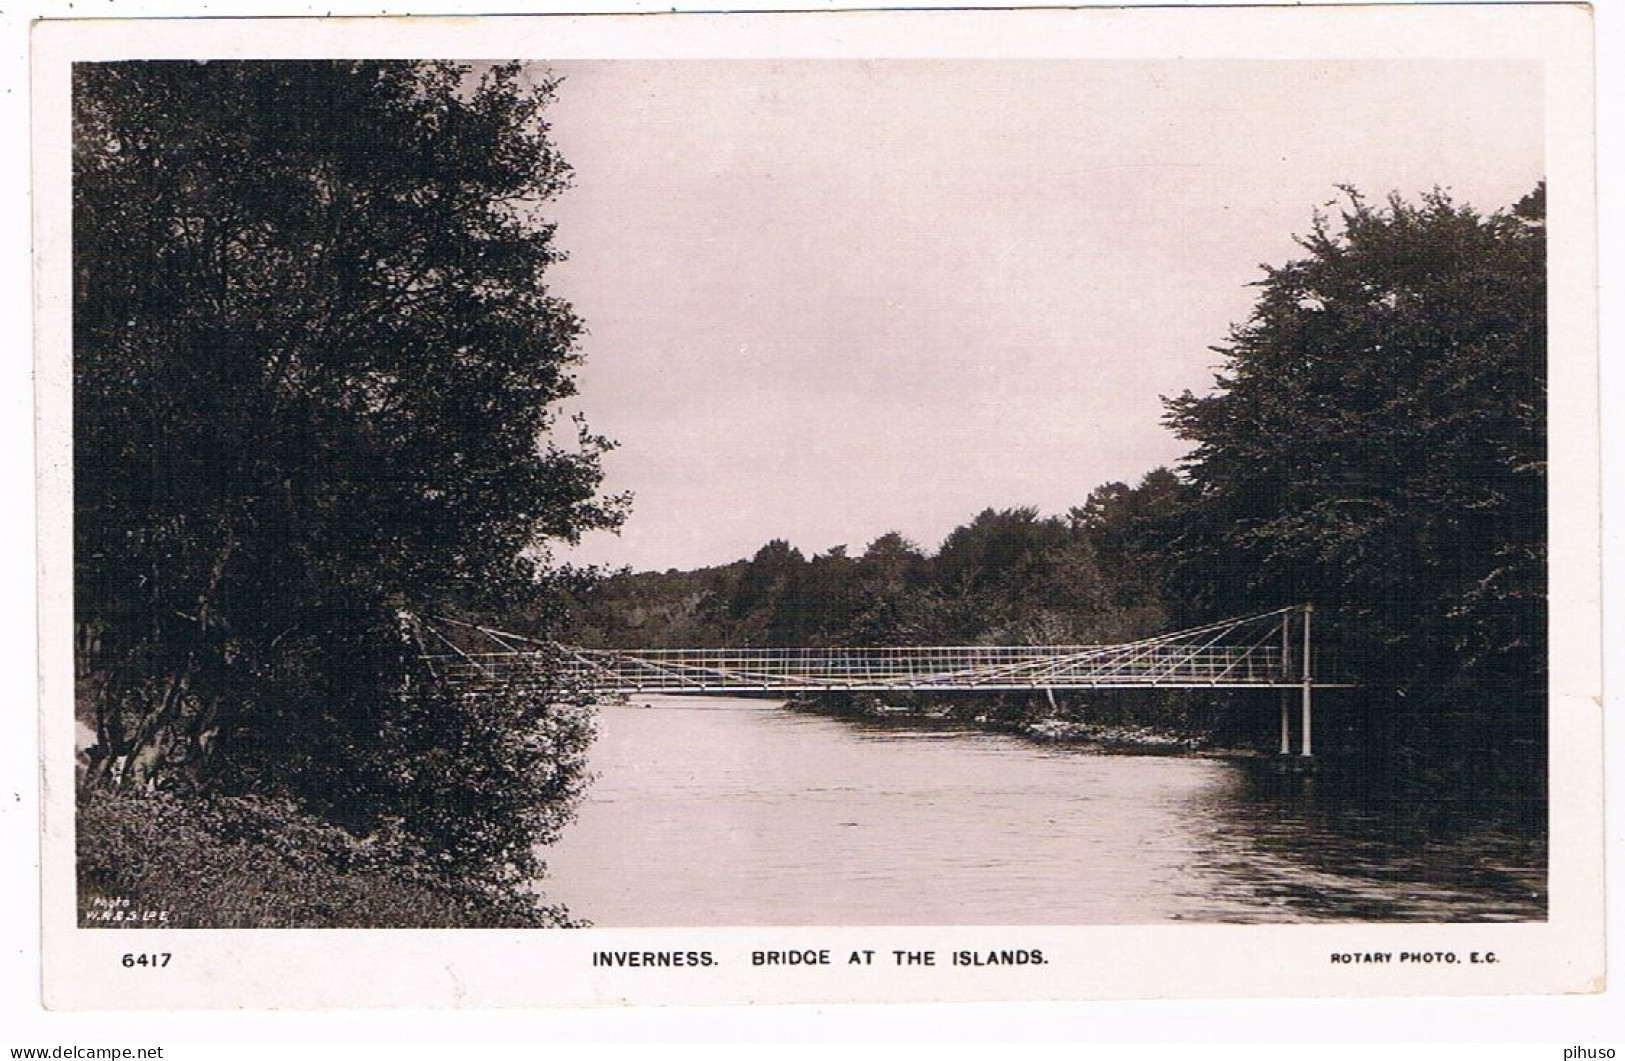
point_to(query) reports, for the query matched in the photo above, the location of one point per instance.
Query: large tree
(315, 363)
(1376, 444)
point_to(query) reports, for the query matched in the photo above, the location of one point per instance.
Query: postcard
(828, 507)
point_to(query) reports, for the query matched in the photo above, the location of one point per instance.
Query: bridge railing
(988, 667)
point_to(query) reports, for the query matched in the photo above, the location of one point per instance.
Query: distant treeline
(1004, 577)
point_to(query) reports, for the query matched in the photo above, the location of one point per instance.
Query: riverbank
(1002, 717)
(1418, 752)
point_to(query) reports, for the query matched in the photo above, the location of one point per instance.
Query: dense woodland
(315, 365)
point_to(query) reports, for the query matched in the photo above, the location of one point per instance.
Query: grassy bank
(239, 862)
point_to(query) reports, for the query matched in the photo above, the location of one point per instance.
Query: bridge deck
(925, 669)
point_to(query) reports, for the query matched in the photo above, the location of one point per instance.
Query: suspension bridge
(1271, 650)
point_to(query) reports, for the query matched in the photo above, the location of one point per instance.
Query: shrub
(252, 862)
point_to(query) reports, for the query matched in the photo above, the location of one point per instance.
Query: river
(718, 811)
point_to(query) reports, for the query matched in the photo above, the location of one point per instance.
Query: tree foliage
(1376, 444)
(315, 362)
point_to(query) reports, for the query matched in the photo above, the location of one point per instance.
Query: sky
(830, 299)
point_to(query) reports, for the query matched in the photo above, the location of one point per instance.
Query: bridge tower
(1304, 680)
(1308, 683)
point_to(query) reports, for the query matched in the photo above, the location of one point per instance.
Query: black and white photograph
(592, 496)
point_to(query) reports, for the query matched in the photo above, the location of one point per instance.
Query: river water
(714, 811)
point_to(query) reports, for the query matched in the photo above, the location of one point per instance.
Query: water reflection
(738, 812)
(1366, 847)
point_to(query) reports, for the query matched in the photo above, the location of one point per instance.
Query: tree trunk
(164, 727)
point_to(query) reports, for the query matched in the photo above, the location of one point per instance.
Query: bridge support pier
(1286, 675)
(1308, 720)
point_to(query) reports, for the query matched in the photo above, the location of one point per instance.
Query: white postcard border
(332, 969)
